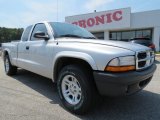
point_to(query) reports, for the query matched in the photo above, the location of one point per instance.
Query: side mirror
(40, 34)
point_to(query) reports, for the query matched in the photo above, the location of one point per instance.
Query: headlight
(121, 64)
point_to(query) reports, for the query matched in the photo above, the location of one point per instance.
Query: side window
(26, 33)
(39, 27)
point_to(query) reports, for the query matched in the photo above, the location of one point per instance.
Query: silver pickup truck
(82, 66)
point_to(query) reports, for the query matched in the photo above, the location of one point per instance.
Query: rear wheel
(76, 89)
(9, 68)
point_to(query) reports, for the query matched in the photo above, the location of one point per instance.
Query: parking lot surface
(28, 96)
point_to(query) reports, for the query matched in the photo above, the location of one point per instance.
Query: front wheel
(9, 68)
(76, 89)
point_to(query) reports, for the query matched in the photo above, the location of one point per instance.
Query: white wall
(89, 21)
(139, 20)
(156, 38)
(106, 35)
(147, 19)
(142, 20)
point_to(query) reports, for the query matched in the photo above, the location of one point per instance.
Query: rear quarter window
(26, 33)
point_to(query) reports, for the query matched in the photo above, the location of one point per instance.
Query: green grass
(157, 52)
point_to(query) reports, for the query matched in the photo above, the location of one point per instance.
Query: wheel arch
(5, 52)
(66, 58)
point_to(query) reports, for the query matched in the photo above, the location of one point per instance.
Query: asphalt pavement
(27, 96)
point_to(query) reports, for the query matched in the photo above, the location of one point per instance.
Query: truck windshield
(69, 30)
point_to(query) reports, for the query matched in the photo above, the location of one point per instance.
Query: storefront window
(119, 36)
(99, 35)
(147, 34)
(139, 34)
(113, 36)
(127, 35)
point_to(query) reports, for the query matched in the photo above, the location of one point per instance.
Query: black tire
(11, 70)
(85, 80)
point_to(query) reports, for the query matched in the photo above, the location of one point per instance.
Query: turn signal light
(119, 68)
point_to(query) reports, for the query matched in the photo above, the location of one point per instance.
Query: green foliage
(10, 34)
(157, 52)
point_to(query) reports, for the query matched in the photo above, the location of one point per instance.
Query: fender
(79, 55)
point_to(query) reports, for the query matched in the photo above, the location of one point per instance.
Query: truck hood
(125, 45)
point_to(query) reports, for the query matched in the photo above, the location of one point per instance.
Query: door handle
(27, 47)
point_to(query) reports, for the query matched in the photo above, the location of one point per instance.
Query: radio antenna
(57, 10)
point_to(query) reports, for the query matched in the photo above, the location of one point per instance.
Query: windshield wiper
(70, 35)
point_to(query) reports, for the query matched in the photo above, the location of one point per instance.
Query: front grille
(144, 59)
(142, 55)
(141, 64)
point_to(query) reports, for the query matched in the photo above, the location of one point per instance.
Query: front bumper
(120, 84)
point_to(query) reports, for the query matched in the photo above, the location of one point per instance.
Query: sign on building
(115, 19)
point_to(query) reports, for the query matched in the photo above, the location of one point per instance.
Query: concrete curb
(157, 55)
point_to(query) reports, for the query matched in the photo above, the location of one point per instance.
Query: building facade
(121, 24)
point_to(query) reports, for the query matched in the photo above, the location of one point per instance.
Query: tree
(9, 34)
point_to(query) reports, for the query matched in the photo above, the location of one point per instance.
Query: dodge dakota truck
(83, 67)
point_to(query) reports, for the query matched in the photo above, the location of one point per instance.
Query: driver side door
(40, 52)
